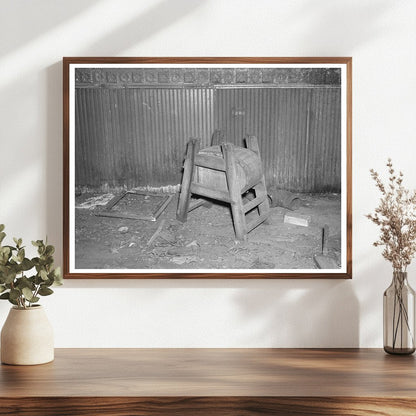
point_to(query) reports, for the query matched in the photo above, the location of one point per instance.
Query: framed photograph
(207, 167)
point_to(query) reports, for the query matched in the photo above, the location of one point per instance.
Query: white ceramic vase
(27, 337)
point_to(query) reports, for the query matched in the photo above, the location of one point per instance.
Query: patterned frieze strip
(206, 77)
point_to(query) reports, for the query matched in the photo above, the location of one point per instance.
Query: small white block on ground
(298, 219)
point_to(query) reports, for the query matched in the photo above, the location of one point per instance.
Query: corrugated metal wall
(137, 136)
(299, 132)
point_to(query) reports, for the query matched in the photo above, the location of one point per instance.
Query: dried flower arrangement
(396, 216)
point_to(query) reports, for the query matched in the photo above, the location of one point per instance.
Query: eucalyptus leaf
(27, 293)
(3, 269)
(48, 282)
(45, 291)
(9, 277)
(38, 280)
(21, 255)
(26, 264)
(15, 294)
(43, 274)
(4, 258)
(16, 283)
(58, 276)
(24, 282)
(49, 250)
(5, 250)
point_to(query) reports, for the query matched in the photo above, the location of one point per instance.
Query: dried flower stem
(396, 217)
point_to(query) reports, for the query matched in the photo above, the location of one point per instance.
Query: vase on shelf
(399, 316)
(27, 337)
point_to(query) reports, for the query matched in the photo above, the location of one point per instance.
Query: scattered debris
(285, 199)
(157, 251)
(286, 248)
(94, 201)
(302, 220)
(270, 240)
(156, 233)
(237, 250)
(183, 259)
(181, 251)
(196, 244)
(259, 264)
(168, 189)
(167, 236)
(325, 260)
(192, 244)
(325, 235)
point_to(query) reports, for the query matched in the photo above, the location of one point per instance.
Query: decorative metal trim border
(206, 77)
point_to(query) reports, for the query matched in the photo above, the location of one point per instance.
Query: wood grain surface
(212, 381)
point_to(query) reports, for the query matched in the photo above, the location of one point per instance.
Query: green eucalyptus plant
(15, 285)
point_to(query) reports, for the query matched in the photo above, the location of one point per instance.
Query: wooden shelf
(212, 382)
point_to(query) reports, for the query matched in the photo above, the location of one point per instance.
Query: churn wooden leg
(187, 178)
(260, 188)
(261, 192)
(234, 190)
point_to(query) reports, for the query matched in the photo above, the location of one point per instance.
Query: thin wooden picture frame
(219, 73)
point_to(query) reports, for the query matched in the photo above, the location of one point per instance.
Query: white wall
(380, 35)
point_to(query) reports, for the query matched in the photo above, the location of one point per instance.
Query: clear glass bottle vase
(399, 316)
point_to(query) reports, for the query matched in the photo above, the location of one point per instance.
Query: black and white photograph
(210, 168)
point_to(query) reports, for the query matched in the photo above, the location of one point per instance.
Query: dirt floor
(206, 240)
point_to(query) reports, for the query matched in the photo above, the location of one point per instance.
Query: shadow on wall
(375, 276)
(261, 313)
(348, 25)
(162, 15)
(41, 16)
(54, 146)
(301, 313)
